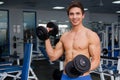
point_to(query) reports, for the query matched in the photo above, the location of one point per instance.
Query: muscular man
(79, 40)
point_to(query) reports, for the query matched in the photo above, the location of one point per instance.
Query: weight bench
(112, 71)
(20, 72)
(5, 63)
(11, 58)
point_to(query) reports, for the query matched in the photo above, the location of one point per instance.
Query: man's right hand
(42, 33)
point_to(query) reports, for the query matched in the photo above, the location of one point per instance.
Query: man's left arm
(94, 50)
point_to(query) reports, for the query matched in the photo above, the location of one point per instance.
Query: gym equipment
(110, 60)
(42, 33)
(54, 27)
(78, 66)
(111, 70)
(105, 51)
(108, 52)
(41, 54)
(9, 70)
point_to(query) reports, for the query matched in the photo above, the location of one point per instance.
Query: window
(29, 27)
(4, 37)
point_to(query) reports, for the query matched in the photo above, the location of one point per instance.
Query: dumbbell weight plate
(81, 63)
(105, 51)
(71, 71)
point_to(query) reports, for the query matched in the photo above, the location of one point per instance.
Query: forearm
(49, 49)
(94, 64)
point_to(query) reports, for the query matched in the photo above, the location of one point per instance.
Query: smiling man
(78, 41)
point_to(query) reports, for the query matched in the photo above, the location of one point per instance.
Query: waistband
(86, 77)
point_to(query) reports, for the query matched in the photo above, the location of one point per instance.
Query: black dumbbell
(78, 66)
(105, 51)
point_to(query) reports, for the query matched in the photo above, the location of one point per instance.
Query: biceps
(59, 48)
(94, 50)
(95, 46)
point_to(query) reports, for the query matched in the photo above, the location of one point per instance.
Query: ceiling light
(53, 20)
(44, 25)
(117, 11)
(1, 2)
(85, 9)
(62, 26)
(67, 21)
(58, 7)
(116, 2)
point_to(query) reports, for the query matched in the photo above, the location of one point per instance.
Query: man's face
(75, 16)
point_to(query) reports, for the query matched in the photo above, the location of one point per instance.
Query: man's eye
(78, 13)
(70, 13)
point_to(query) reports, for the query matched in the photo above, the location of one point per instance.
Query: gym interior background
(19, 18)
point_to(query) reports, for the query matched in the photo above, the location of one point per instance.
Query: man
(79, 40)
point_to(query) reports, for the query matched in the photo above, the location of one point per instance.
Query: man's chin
(75, 24)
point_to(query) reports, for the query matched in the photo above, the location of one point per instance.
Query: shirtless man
(79, 40)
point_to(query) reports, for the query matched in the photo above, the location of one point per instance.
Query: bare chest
(76, 42)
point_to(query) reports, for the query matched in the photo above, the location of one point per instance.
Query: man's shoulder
(65, 34)
(89, 31)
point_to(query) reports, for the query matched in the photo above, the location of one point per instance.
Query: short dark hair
(75, 4)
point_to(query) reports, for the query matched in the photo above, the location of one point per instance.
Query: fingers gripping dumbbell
(78, 66)
(43, 34)
(54, 27)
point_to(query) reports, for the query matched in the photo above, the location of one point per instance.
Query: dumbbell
(78, 66)
(105, 51)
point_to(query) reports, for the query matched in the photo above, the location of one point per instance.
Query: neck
(77, 28)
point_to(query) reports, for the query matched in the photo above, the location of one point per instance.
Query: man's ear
(83, 16)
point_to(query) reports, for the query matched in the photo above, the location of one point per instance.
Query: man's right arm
(54, 53)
